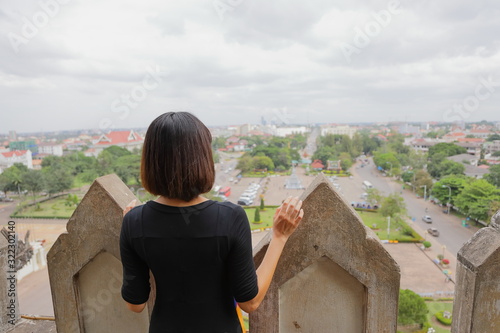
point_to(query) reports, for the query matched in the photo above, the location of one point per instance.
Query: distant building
(409, 129)
(481, 133)
(469, 140)
(12, 136)
(334, 165)
(493, 146)
(24, 145)
(339, 130)
(422, 144)
(476, 171)
(464, 159)
(50, 149)
(453, 136)
(286, 131)
(126, 139)
(473, 148)
(317, 165)
(8, 159)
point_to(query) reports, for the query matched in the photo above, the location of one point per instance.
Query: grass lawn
(51, 208)
(266, 217)
(371, 218)
(436, 307)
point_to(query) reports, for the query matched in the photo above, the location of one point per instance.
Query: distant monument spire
(293, 182)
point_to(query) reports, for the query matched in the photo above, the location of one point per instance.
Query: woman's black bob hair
(177, 160)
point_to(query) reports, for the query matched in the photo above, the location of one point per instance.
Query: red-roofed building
(125, 139)
(481, 133)
(8, 159)
(476, 140)
(454, 136)
(317, 165)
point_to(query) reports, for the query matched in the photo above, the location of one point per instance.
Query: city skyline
(72, 65)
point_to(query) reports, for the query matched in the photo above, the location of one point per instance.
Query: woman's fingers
(129, 207)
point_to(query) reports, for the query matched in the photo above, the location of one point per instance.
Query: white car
(251, 192)
(244, 202)
(247, 196)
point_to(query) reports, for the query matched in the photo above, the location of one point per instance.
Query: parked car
(6, 199)
(433, 231)
(427, 219)
(247, 197)
(250, 193)
(244, 202)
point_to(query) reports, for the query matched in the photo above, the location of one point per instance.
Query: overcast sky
(74, 64)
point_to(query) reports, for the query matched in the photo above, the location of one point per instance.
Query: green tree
(386, 161)
(374, 196)
(218, 142)
(422, 178)
(57, 179)
(476, 198)
(33, 182)
(128, 166)
(345, 161)
(12, 178)
(117, 151)
(448, 167)
(417, 160)
(396, 144)
(245, 163)
(411, 309)
(393, 205)
(448, 149)
(493, 137)
(298, 141)
(263, 162)
(494, 176)
(261, 203)
(496, 154)
(432, 135)
(324, 154)
(370, 144)
(407, 176)
(450, 184)
(256, 217)
(105, 162)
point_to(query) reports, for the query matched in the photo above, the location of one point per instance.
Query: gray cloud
(260, 57)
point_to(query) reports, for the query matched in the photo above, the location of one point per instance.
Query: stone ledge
(34, 326)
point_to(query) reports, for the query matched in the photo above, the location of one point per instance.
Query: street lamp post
(425, 191)
(449, 197)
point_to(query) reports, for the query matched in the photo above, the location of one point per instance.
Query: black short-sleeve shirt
(201, 258)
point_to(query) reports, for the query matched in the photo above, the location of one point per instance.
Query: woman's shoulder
(229, 207)
(134, 215)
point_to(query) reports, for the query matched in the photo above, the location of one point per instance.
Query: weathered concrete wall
(333, 276)
(8, 311)
(84, 268)
(477, 292)
(313, 289)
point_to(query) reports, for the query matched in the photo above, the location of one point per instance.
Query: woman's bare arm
(286, 220)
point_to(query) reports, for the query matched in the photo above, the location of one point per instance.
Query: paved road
(311, 141)
(452, 234)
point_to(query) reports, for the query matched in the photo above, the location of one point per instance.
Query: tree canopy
(476, 198)
(448, 149)
(411, 308)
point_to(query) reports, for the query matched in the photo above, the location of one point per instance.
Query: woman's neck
(180, 203)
